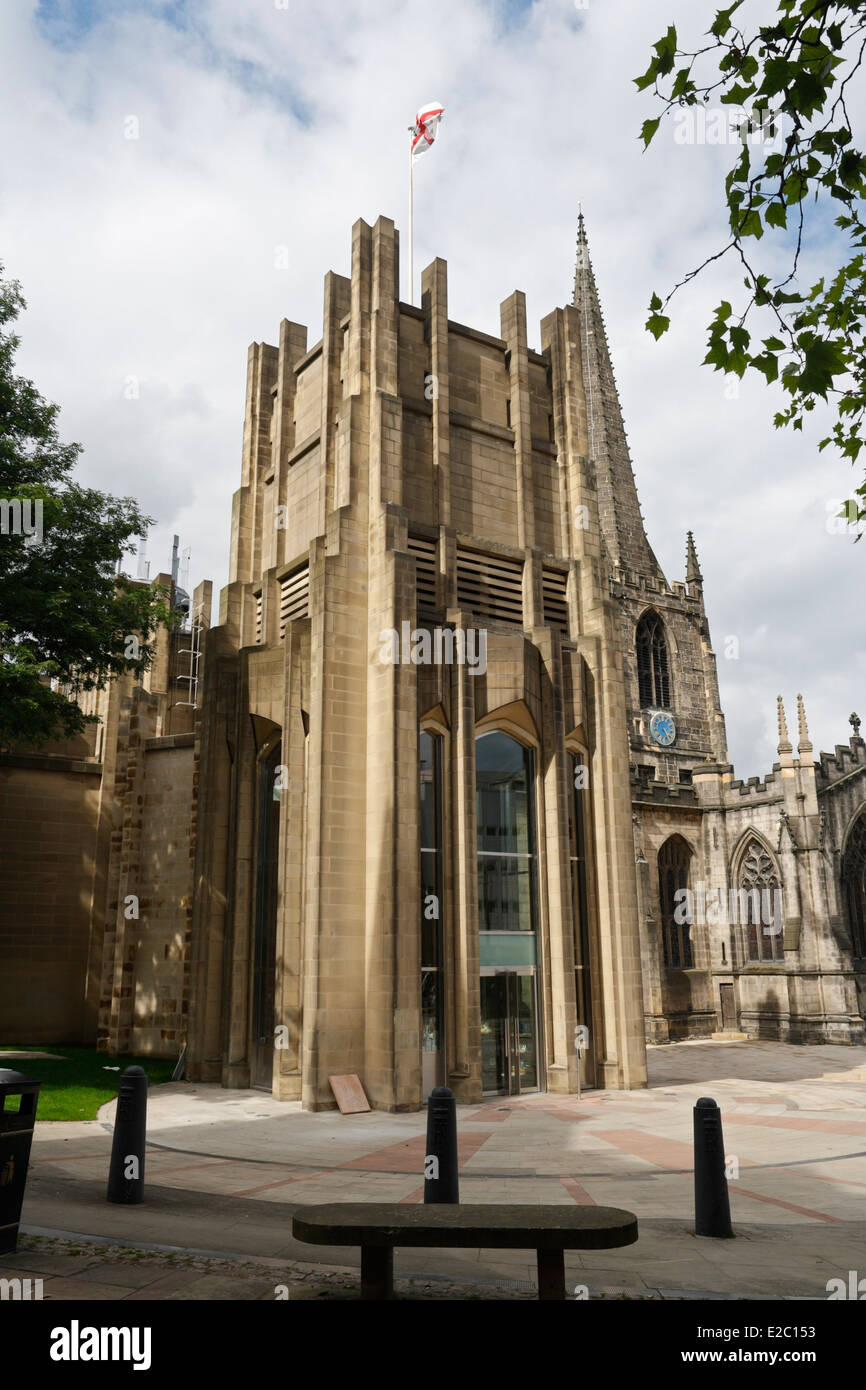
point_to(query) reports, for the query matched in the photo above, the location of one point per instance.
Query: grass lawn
(75, 1088)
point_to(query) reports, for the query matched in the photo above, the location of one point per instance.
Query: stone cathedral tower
(416, 856)
(685, 681)
(713, 853)
(675, 722)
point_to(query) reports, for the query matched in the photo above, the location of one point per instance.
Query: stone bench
(380, 1226)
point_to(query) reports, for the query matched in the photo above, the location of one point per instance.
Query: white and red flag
(424, 129)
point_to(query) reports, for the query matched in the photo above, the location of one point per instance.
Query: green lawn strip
(75, 1088)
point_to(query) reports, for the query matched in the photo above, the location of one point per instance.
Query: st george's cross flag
(424, 129)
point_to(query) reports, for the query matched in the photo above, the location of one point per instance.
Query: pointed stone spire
(804, 743)
(694, 578)
(786, 752)
(619, 509)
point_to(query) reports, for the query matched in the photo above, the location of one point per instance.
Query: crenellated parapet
(847, 758)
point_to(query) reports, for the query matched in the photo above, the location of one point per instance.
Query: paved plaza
(226, 1168)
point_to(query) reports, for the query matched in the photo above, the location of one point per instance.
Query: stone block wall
(162, 932)
(49, 811)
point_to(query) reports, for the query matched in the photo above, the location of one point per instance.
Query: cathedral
(443, 797)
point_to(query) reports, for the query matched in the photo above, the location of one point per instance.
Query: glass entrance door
(509, 1034)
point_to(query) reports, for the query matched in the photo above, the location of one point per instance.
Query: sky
(178, 177)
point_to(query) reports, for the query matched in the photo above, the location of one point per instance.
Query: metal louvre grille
(553, 588)
(490, 586)
(258, 617)
(425, 570)
(294, 597)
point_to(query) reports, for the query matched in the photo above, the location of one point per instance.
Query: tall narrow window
(758, 904)
(674, 857)
(578, 817)
(267, 878)
(854, 885)
(507, 915)
(506, 835)
(431, 889)
(653, 675)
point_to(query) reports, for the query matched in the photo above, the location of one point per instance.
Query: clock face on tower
(663, 730)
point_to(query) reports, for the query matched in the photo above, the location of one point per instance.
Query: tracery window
(653, 674)
(674, 857)
(854, 885)
(760, 904)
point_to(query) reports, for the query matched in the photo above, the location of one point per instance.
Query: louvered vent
(294, 597)
(258, 617)
(553, 587)
(425, 570)
(490, 587)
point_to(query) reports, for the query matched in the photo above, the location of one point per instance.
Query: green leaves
(728, 343)
(722, 22)
(824, 360)
(64, 613)
(665, 53)
(657, 323)
(768, 363)
(683, 87)
(795, 187)
(750, 225)
(648, 130)
(737, 95)
(851, 168)
(795, 150)
(666, 50)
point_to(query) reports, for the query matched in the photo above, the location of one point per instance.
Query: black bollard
(126, 1174)
(440, 1163)
(712, 1209)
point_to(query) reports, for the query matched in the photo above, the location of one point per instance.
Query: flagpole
(411, 225)
(423, 130)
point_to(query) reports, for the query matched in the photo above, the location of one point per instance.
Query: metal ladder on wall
(193, 651)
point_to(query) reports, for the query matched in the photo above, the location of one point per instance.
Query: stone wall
(165, 878)
(99, 836)
(49, 809)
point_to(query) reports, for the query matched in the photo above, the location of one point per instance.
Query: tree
(66, 618)
(787, 83)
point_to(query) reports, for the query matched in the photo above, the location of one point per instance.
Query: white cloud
(261, 127)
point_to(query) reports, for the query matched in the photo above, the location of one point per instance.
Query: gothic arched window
(854, 884)
(759, 904)
(674, 857)
(653, 675)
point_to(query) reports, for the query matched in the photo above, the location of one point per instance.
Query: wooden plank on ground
(349, 1094)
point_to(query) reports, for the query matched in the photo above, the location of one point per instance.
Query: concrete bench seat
(380, 1226)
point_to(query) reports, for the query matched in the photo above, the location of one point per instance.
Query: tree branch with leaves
(791, 77)
(66, 616)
